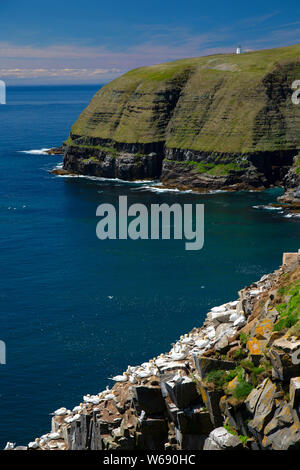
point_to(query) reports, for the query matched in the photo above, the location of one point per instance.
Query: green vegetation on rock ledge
(217, 169)
(289, 310)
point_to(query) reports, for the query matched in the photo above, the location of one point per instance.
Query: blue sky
(62, 41)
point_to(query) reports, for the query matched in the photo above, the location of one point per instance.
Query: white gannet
(186, 339)
(77, 408)
(54, 435)
(10, 446)
(93, 399)
(119, 378)
(109, 396)
(143, 373)
(220, 308)
(61, 411)
(32, 445)
(178, 354)
(133, 379)
(201, 343)
(178, 377)
(162, 360)
(71, 419)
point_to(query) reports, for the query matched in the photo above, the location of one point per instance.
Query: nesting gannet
(93, 399)
(186, 339)
(71, 419)
(201, 343)
(119, 378)
(178, 354)
(109, 396)
(143, 373)
(161, 360)
(54, 435)
(10, 446)
(133, 378)
(107, 391)
(61, 411)
(32, 445)
(77, 408)
(220, 308)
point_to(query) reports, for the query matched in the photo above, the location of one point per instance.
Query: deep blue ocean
(76, 310)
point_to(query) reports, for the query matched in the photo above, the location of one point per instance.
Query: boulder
(282, 356)
(183, 392)
(264, 407)
(295, 392)
(283, 431)
(256, 347)
(223, 439)
(283, 417)
(263, 329)
(253, 397)
(210, 444)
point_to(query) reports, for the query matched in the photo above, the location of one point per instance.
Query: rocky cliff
(222, 121)
(232, 384)
(291, 197)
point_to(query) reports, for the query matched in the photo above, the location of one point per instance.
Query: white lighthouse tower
(239, 50)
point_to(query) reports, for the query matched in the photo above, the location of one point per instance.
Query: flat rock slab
(149, 399)
(182, 393)
(206, 364)
(295, 391)
(264, 407)
(223, 439)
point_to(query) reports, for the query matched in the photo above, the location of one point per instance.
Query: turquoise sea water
(76, 310)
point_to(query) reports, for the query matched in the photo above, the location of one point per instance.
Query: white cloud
(67, 72)
(87, 63)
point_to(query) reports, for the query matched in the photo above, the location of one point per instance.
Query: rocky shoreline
(233, 384)
(184, 169)
(291, 197)
(180, 175)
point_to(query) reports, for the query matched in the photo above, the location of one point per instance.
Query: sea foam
(35, 151)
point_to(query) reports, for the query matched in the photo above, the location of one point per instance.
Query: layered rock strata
(219, 122)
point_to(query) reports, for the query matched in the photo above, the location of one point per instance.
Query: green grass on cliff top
(215, 103)
(256, 61)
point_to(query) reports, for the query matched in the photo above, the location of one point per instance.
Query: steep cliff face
(291, 197)
(222, 120)
(232, 384)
